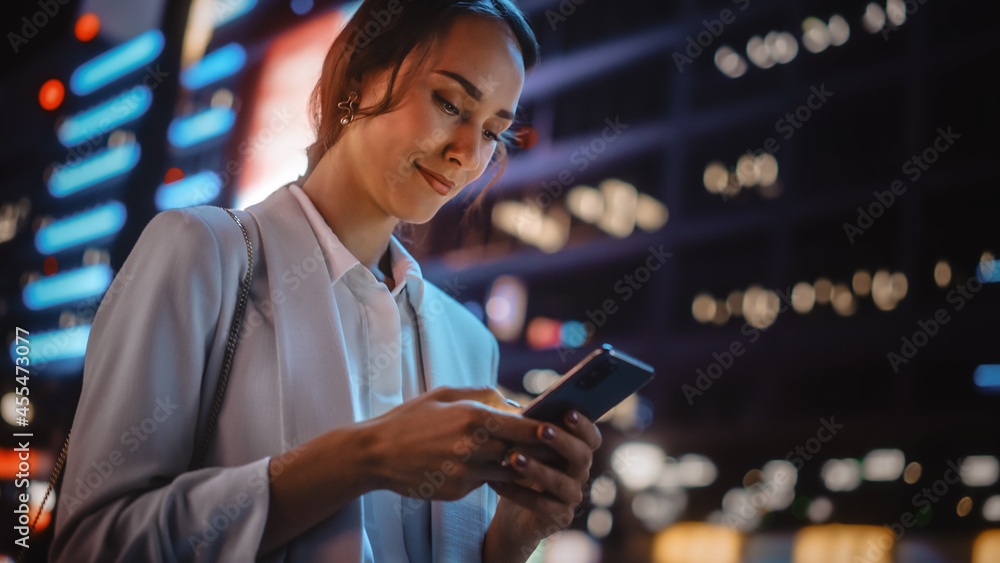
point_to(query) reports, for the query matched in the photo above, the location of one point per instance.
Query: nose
(464, 148)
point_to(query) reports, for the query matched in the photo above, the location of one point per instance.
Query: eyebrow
(473, 92)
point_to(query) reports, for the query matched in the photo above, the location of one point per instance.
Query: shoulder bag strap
(227, 359)
(220, 390)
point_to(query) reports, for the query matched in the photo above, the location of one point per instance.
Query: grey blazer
(154, 355)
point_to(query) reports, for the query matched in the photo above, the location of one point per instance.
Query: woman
(360, 422)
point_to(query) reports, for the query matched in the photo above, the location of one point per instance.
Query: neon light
(228, 10)
(200, 127)
(94, 170)
(105, 117)
(116, 62)
(66, 287)
(987, 376)
(201, 188)
(65, 344)
(81, 228)
(988, 271)
(573, 334)
(220, 63)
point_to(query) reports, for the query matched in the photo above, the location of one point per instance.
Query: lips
(440, 184)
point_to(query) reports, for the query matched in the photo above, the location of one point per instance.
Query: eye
(448, 106)
(450, 109)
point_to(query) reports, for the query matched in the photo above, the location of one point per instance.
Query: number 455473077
(21, 376)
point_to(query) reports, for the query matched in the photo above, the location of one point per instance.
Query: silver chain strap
(220, 389)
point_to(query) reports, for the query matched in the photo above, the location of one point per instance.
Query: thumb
(489, 396)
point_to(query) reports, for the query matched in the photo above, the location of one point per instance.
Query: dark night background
(890, 94)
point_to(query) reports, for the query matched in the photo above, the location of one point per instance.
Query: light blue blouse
(384, 373)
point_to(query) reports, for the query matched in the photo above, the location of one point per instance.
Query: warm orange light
(10, 465)
(697, 542)
(173, 174)
(43, 521)
(839, 543)
(51, 94)
(543, 333)
(87, 27)
(987, 547)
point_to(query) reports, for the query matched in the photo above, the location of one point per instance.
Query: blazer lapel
(302, 301)
(311, 349)
(457, 527)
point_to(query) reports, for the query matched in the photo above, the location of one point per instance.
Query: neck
(360, 224)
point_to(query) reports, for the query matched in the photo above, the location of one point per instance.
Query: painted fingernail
(520, 460)
(514, 404)
(548, 433)
(573, 417)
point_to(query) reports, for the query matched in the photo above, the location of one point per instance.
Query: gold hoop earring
(348, 105)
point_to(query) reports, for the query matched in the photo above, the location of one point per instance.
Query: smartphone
(592, 387)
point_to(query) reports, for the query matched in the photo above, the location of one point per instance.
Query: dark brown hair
(379, 37)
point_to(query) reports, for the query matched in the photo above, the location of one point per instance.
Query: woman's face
(446, 126)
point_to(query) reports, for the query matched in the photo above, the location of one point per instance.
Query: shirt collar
(339, 261)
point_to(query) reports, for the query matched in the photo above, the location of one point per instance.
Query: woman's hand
(448, 442)
(544, 500)
(440, 445)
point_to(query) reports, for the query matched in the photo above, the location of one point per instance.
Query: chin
(417, 216)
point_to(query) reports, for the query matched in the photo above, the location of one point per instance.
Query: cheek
(486, 156)
(434, 129)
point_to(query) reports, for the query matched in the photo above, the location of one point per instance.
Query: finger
(544, 454)
(493, 471)
(576, 452)
(582, 426)
(511, 428)
(486, 395)
(491, 451)
(558, 484)
(496, 451)
(539, 503)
